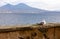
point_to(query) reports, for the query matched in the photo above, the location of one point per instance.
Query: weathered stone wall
(22, 34)
(34, 33)
(54, 33)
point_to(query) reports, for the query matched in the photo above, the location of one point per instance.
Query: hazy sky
(43, 4)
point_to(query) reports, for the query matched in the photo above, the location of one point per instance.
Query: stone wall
(33, 33)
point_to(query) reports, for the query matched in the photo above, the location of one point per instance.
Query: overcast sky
(41, 4)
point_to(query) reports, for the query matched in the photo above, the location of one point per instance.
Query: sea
(28, 18)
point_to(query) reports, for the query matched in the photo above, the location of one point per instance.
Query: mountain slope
(20, 8)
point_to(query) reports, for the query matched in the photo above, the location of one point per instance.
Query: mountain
(21, 8)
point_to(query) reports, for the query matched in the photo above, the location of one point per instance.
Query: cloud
(43, 4)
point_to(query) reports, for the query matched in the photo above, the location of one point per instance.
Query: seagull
(43, 22)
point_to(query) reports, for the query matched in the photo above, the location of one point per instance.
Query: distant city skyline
(41, 4)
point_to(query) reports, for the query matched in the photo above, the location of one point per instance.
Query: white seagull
(43, 22)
